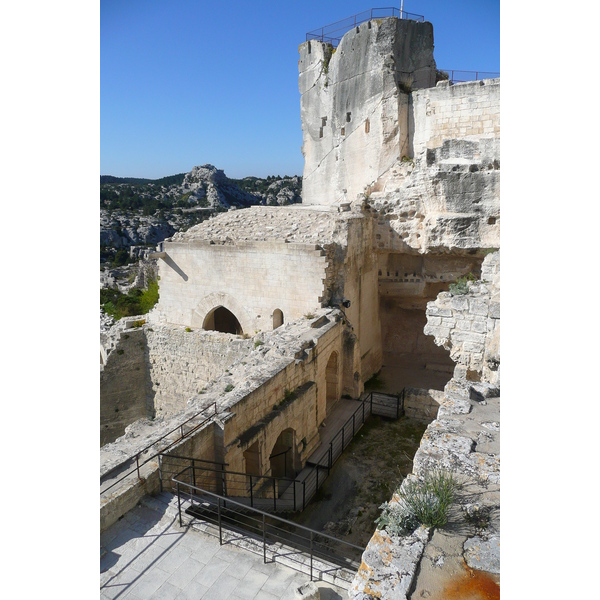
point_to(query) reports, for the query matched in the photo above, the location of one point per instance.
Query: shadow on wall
(175, 268)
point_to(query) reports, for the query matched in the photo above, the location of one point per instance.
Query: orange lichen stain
(365, 569)
(472, 585)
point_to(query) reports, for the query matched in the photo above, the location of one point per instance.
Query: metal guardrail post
(137, 465)
(311, 555)
(160, 471)
(304, 494)
(179, 505)
(251, 493)
(264, 541)
(194, 472)
(219, 519)
(274, 495)
(342, 438)
(353, 428)
(294, 484)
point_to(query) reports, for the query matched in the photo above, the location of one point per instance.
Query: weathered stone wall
(250, 279)
(462, 440)
(251, 403)
(468, 113)
(468, 325)
(264, 413)
(123, 385)
(354, 114)
(445, 195)
(422, 405)
(181, 363)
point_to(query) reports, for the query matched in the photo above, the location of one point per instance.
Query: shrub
(229, 387)
(421, 502)
(135, 302)
(461, 286)
(258, 343)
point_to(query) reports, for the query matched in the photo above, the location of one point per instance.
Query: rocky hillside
(143, 212)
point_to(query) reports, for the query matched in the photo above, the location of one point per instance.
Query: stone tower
(355, 105)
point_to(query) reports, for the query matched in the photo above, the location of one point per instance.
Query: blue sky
(184, 83)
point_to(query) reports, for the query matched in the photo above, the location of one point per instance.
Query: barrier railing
(267, 530)
(183, 430)
(281, 494)
(456, 76)
(377, 404)
(334, 32)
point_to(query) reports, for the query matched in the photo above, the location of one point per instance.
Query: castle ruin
(271, 316)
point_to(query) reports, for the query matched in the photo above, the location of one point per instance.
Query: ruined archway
(223, 320)
(277, 318)
(283, 456)
(331, 381)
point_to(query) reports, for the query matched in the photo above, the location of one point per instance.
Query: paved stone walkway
(146, 555)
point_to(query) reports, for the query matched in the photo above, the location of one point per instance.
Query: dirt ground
(364, 477)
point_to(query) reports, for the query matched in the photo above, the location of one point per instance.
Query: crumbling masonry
(400, 199)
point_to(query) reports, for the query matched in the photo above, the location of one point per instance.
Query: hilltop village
(273, 320)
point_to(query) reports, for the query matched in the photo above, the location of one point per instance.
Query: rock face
(351, 124)
(122, 229)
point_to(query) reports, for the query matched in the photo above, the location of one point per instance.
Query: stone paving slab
(146, 555)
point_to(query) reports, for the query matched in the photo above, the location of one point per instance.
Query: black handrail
(254, 481)
(334, 32)
(470, 75)
(296, 541)
(140, 452)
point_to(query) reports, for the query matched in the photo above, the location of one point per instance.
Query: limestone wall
(462, 440)
(422, 405)
(251, 279)
(181, 363)
(468, 111)
(444, 196)
(123, 385)
(468, 325)
(261, 415)
(354, 116)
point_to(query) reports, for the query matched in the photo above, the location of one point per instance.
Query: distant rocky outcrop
(142, 212)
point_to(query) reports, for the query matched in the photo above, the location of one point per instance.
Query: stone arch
(223, 320)
(212, 301)
(332, 381)
(283, 458)
(277, 318)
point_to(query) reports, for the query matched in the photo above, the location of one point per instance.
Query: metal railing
(281, 494)
(266, 492)
(183, 433)
(377, 404)
(334, 32)
(279, 536)
(456, 76)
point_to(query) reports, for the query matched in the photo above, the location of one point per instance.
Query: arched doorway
(331, 381)
(223, 320)
(277, 318)
(283, 455)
